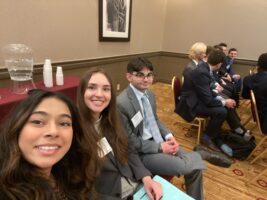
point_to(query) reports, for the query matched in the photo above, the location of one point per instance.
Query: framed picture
(115, 20)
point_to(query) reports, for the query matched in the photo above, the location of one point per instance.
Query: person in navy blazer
(198, 98)
(197, 53)
(258, 83)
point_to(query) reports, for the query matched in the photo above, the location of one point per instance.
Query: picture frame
(115, 20)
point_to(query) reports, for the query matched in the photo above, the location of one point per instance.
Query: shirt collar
(137, 92)
(195, 61)
(210, 69)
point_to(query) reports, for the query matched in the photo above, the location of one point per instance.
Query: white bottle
(59, 76)
(48, 74)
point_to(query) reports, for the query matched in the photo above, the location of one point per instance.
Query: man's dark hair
(137, 64)
(232, 49)
(215, 57)
(222, 44)
(209, 49)
(262, 62)
(218, 47)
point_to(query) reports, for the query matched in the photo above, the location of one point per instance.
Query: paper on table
(170, 192)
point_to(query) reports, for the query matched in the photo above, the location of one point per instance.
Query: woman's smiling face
(47, 135)
(97, 95)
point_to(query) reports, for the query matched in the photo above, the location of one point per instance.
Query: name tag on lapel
(136, 119)
(105, 148)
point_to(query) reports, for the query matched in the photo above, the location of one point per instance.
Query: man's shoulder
(202, 69)
(190, 63)
(122, 95)
(190, 66)
(150, 93)
(123, 98)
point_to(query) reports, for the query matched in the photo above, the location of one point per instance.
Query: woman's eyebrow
(45, 114)
(39, 112)
(66, 115)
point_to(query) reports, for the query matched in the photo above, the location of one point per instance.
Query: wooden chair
(253, 70)
(255, 117)
(199, 121)
(246, 103)
(257, 120)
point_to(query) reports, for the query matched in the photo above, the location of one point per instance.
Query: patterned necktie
(149, 120)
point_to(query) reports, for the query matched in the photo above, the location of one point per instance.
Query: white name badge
(105, 147)
(136, 119)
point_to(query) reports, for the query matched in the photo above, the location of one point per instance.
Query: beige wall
(66, 30)
(240, 23)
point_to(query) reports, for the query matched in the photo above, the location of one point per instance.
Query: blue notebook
(170, 192)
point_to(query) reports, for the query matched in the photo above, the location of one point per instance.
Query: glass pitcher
(19, 62)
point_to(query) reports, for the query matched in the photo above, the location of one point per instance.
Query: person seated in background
(232, 55)
(122, 170)
(198, 98)
(227, 69)
(196, 55)
(232, 116)
(258, 83)
(225, 79)
(223, 75)
(223, 46)
(157, 147)
(44, 151)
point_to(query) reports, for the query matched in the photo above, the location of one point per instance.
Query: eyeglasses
(141, 75)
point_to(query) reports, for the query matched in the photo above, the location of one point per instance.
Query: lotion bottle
(48, 74)
(59, 76)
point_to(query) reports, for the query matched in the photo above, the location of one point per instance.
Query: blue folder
(170, 192)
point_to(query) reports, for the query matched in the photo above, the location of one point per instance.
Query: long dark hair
(75, 173)
(110, 124)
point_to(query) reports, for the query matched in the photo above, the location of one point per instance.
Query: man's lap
(202, 109)
(180, 164)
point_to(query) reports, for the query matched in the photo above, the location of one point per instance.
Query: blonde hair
(196, 49)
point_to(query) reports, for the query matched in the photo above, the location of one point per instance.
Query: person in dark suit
(198, 98)
(122, 171)
(224, 78)
(258, 83)
(157, 147)
(226, 70)
(196, 60)
(220, 89)
(196, 55)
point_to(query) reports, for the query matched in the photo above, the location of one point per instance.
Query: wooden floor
(219, 183)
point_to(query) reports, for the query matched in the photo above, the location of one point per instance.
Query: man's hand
(170, 146)
(230, 103)
(236, 76)
(228, 77)
(219, 88)
(223, 82)
(153, 188)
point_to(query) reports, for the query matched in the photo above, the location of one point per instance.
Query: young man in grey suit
(158, 149)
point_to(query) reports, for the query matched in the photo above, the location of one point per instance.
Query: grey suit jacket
(128, 106)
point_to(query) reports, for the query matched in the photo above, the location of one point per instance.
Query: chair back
(255, 110)
(253, 70)
(176, 88)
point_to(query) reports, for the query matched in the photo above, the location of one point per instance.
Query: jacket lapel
(134, 101)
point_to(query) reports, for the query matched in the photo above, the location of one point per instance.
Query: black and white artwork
(114, 20)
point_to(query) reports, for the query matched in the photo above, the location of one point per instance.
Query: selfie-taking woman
(122, 170)
(44, 152)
